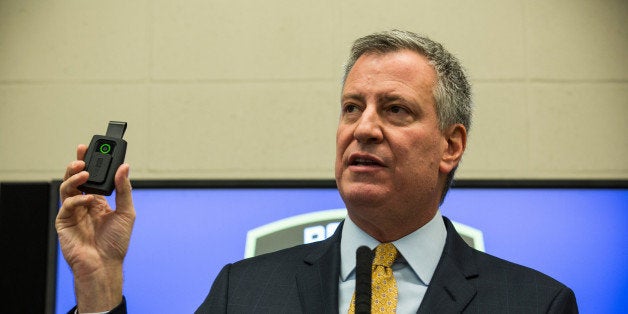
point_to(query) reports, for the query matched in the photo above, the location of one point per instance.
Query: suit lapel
(317, 279)
(450, 290)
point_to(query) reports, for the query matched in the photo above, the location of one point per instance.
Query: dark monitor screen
(184, 234)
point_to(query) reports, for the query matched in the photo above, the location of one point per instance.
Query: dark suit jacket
(304, 279)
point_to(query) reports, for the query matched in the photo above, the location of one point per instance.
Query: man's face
(388, 145)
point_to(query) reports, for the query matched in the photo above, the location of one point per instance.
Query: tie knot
(385, 255)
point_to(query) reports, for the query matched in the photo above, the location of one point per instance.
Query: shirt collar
(421, 249)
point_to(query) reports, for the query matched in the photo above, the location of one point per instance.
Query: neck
(389, 228)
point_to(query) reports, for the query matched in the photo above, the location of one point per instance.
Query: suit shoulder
(293, 255)
(499, 268)
(490, 268)
(522, 285)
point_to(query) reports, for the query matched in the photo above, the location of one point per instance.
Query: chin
(360, 193)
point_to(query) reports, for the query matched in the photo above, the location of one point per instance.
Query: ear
(456, 141)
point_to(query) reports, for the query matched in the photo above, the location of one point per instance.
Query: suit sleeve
(216, 300)
(120, 309)
(564, 302)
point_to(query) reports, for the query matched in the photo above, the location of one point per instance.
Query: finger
(124, 197)
(70, 204)
(80, 151)
(73, 168)
(69, 187)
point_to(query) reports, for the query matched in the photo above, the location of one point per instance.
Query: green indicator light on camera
(105, 148)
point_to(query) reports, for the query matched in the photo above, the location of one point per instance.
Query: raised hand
(94, 238)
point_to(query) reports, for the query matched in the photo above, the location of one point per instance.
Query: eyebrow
(385, 98)
(354, 96)
(390, 98)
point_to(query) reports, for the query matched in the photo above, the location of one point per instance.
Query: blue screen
(183, 237)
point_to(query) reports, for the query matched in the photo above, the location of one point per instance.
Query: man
(405, 114)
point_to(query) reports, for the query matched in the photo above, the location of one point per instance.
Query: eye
(399, 114)
(397, 109)
(349, 108)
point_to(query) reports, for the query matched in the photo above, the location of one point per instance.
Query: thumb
(124, 198)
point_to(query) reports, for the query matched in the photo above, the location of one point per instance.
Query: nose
(369, 128)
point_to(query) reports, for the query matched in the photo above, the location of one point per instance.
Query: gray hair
(452, 93)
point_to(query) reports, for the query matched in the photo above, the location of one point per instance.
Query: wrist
(100, 290)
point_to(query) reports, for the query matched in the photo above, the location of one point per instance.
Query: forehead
(402, 71)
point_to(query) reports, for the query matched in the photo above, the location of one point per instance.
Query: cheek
(341, 146)
(420, 154)
(343, 139)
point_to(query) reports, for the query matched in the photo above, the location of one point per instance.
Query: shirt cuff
(120, 308)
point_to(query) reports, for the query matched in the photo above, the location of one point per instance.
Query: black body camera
(104, 155)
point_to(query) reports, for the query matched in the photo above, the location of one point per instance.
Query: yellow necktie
(384, 286)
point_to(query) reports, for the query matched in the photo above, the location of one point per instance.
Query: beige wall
(249, 89)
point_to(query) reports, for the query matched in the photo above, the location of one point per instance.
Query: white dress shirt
(419, 253)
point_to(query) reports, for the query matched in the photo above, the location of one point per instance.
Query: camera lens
(105, 148)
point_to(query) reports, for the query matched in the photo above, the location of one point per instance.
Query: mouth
(365, 160)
